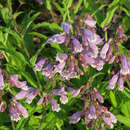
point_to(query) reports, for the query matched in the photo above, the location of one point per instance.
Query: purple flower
(15, 82)
(121, 84)
(124, 68)
(15, 110)
(104, 50)
(3, 106)
(63, 99)
(73, 92)
(79, 70)
(57, 38)
(59, 91)
(31, 95)
(109, 53)
(47, 71)
(55, 105)
(109, 118)
(39, 64)
(91, 114)
(61, 57)
(76, 46)
(91, 23)
(1, 81)
(66, 27)
(75, 117)
(59, 68)
(113, 81)
(66, 74)
(20, 95)
(41, 99)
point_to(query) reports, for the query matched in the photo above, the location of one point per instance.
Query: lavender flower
(109, 53)
(55, 105)
(21, 94)
(47, 71)
(112, 59)
(113, 81)
(66, 27)
(75, 117)
(104, 51)
(64, 99)
(99, 97)
(41, 99)
(57, 38)
(59, 68)
(3, 106)
(91, 114)
(91, 23)
(16, 109)
(1, 81)
(31, 94)
(121, 84)
(61, 57)
(15, 82)
(59, 92)
(76, 46)
(73, 92)
(124, 69)
(109, 118)
(39, 64)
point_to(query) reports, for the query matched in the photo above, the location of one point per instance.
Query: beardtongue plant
(84, 57)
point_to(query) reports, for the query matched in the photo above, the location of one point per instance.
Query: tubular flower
(124, 66)
(55, 105)
(15, 110)
(31, 94)
(121, 84)
(76, 46)
(39, 64)
(109, 118)
(61, 57)
(75, 117)
(66, 27)
(47, 71)
(63, 99)
(1, 81)
(73, 92)
(59, 92)
(15, 82)
(91, 113)
(57, 38)
(113, 81)
(3, 106)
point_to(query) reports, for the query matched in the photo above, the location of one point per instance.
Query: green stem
(106, 36)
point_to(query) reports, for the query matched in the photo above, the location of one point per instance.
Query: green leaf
(10, 5)
(123, 119)
(17, 14)
(125, 109)
(78, 5)
(51, 26)
(48, 4)
(110, 13)
(57, 47)
(123, 50)
(113, 99)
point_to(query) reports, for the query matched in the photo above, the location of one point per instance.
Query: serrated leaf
(113, 99)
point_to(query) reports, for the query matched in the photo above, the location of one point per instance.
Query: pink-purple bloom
(74, 92)
(75, 117)
(66, 27)
(109, 118)
(57, 38)
(61, 57)
(124, 66)
(39, 64)
(47, 71)
(76, 46)
(19, 84)
(1, 81)
(113, 81)
(121, 84)
(55, 105)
